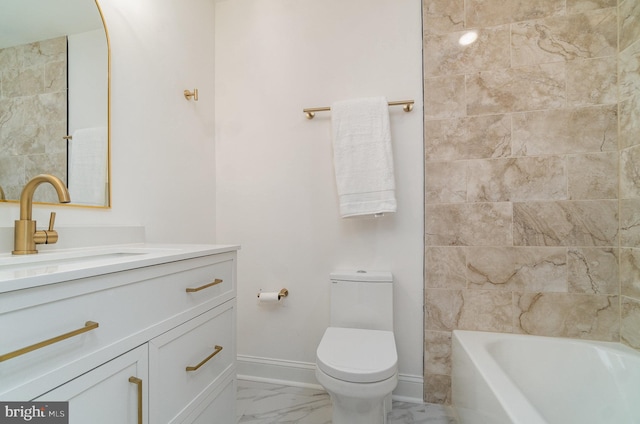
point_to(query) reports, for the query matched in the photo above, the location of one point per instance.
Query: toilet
(356, 360)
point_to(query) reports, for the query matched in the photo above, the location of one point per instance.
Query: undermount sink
(22, 266)
(31, 261)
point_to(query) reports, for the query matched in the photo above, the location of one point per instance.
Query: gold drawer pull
(88, 326)
(206, 286)
(215, 352)
(138, 382)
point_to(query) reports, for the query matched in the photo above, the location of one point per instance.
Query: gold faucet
(26, 236)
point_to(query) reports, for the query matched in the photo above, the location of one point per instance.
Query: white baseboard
(302, 374)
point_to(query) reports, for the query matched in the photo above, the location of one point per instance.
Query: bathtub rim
(511, 398)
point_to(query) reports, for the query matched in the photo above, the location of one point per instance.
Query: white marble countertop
(18, 272)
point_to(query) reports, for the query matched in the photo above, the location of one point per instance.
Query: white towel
(88, 151)
(362, 156)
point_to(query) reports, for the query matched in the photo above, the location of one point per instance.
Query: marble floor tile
(263, 403)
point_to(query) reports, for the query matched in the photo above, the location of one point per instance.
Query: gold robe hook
(189, 94)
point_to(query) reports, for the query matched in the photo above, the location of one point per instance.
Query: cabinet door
(115, 392)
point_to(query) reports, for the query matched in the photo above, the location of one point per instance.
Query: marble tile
(629, 23)
(475, 137)
(41, 52)
(629, 122)
(9, 58)
(592, 81)
(566, 131)
(55, 77)
(469, 224)
(481, 13)
(410, 413)
(442, 16)
(12, 171)
(593, 271)
(24, 140)
(630, 222)
(444, 55)
(437, 388)
(577, 6)
(446, 97)
(437, 352)
(629, 71)
(446, 182)
(562, 38)
(593, 176)
(442, 309)
(445, 267)
(486, 310)
(516, 89)
(264, 403)
(594, 317)
(566, 223)
(517, 179)
(517, 269)
(50, 107)
(630, 172)
(23, 82)
(630, 325)
(630, 272)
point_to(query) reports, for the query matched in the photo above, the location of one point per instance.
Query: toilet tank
(362, 299)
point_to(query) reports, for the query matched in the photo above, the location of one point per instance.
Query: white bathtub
(520, 379)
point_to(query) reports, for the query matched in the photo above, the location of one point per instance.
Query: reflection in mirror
(54, 102)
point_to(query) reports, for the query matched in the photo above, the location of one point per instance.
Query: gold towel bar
(311, 111)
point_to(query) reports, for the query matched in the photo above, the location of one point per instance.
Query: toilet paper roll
(268, 297)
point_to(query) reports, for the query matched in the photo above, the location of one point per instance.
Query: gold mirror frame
(108, 192)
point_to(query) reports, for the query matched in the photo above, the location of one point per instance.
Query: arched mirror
(54, 102)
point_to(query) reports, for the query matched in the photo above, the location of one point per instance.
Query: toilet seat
(357, 355)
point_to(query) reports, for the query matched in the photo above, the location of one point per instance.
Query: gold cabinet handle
(138, 382)
(206, 286)
(204, 361)
(88, 326)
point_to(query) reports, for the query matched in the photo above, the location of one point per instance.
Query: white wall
(162, 145)
(276, 192)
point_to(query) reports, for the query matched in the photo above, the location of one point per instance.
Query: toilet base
(358, 403)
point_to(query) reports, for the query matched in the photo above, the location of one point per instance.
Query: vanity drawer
(187, 362)
(130, 308)
(207, 283)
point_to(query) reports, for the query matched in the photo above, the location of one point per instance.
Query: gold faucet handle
(52, 221)
(49, 236)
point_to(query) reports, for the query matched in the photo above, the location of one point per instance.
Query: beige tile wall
(629, 111)
(33, 115)
(524, 230)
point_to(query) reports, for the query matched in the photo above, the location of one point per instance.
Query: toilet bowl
(356, 360)
(359, 370)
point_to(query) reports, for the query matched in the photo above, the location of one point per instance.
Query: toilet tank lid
(362, 275)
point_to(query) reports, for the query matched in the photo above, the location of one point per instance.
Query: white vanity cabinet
(119, 385)
(164, 324)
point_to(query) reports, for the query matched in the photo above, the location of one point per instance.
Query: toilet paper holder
(282, 293)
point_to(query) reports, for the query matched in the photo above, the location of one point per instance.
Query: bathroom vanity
(126, 334)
